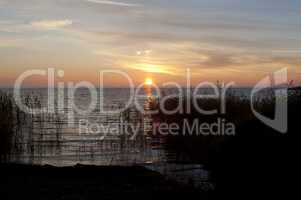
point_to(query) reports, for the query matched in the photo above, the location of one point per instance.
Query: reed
(201, 148)
(16, 127)
(6, 125)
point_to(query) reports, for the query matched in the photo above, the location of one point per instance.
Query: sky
(225, 40)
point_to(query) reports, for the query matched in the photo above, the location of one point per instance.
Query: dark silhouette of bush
(253, 161)
(198, 148)
(6, 125)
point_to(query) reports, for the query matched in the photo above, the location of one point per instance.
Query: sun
(148, 81)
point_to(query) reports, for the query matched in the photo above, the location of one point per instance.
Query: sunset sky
(226, 40)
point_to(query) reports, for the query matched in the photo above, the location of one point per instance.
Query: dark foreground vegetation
(88, 182)
(7, 119)
(252, 164)
(12, 119)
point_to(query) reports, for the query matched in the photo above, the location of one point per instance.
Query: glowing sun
(148, 81)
